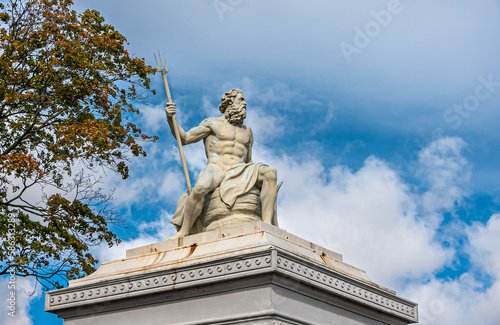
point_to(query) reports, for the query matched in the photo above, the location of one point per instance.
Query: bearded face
(233, 106)
(235, 114)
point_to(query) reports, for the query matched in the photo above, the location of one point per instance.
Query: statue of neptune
(228, 147)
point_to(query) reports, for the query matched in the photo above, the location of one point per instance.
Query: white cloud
(369, 216)
(265, 127)
(169, 189)
(485, 245)
(150, 177)
(208, 108)
(330, 116)
(196, 158)
(153, 118)
(446, 173)
(105, 254)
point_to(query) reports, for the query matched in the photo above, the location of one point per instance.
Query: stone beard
(235, 115)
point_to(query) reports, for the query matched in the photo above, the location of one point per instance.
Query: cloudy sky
(381, 118)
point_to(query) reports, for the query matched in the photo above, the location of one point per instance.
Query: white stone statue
(231, 189)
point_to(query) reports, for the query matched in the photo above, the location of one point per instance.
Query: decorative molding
(347, 287)
(157, 281)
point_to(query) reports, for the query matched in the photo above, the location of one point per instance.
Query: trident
(164, 71)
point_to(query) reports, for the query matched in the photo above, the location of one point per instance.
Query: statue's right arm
(195, 134)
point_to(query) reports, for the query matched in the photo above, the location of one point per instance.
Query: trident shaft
(164, 70)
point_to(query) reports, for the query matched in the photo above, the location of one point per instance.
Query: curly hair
(228, 99)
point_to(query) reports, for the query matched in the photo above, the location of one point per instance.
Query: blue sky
(381, 117)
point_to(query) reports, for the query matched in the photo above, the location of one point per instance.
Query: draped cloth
(238, 180)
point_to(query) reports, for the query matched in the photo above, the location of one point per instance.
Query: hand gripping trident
(164, 71)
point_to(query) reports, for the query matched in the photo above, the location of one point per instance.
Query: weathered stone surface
(250, 274)
(215, 214)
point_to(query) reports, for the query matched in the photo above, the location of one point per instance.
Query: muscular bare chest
(227, 137)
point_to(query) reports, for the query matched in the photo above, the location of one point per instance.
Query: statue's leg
(208, 180)
(268, 192)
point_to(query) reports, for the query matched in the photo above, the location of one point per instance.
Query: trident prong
(157, 66)
(163, 64)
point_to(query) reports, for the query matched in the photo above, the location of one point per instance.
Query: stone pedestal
(249, 274)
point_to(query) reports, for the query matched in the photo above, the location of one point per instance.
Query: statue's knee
(270, 173)
(199, 191)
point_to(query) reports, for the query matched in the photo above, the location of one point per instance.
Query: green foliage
(67, 85)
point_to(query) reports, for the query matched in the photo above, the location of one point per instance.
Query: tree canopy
(68, 89)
